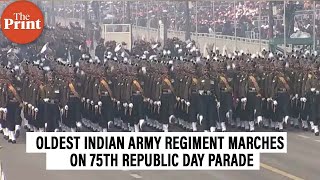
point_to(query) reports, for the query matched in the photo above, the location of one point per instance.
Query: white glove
(286, 119)
(171, 119)
(200, 119)
(228, 115)
(218, 104)
(255, 111)
(259, 119)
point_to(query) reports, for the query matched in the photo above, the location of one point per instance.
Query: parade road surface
(301, 163)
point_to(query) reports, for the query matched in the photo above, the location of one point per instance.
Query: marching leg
(17, 131)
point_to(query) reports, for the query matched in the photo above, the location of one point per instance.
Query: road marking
(136, 176)
(306, 137)
(317, 141)
(278, 171)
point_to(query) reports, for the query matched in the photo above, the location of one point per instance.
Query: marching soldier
(297, 85)
(3, 110)
(137, 99)
(313, 100)
(281, 100)
(254, 100)
(51, 111)
(126, 103)
(106, 106)
(165, 105)
(12, 112)
(208, 109)
(225, 100)
(70, 102)
(267, 102)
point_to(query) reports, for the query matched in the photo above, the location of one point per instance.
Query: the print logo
(22, 22)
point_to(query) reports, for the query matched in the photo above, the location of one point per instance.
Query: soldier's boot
(12, 138)
(109, 126)
(73, 129)
(172, 119)
(104, 130)
(251, 126)
(141, 124)
(189, 126)
(165, 128)
(295, 123)
(26, 123)
(41, 129)
(128, 128)
(125, 127)
(194, 127)
(183, 124)
(242, 127)
(1, 129)
(259, 120)
(5, 133)
(280, 125)
(232, 123)
(272, 125)
(305, 125)
(316, 130)
(116, 122)
(223, 127)
(312, 126)
(179, 122)
(238, 123)
(276, 126)
(159, 126)
(246, 126)
(131, 128)
(212, 129)
(286, 120)
(17, 131)
(152, 123)
(136, 128)
(121, 123)
(149, 122)
(30, 128)
(266, 123)
(218, 127)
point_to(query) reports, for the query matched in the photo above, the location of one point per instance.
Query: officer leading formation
(55, 85)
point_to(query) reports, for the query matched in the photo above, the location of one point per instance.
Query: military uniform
(208, 103)
(3, 110)
(313, 103)
(51, 111)
(70, 104)
(137, 99)
(106, 104)
(12, 111)
(225, 99)
(281, 101)
(167, 102)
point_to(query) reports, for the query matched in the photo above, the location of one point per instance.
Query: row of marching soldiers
(197, 94)
(203, 94)
(243, 91)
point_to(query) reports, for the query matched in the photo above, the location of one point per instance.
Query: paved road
(301, 162)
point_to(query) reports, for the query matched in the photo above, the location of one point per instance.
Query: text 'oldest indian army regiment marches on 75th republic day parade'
(54, 84)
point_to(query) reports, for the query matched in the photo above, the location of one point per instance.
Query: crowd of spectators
(205, 17)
